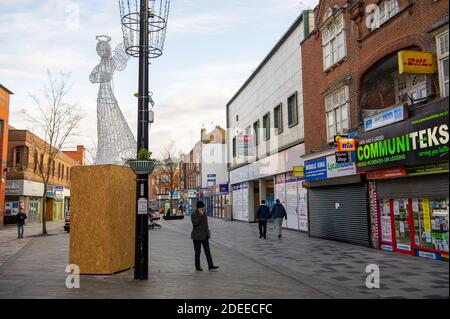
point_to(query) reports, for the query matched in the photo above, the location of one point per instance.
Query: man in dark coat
(200, 236)
(263, 215)
(278, 213)
(21, 217)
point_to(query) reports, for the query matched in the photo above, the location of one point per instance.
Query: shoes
(279, 236)
(213, 267)
(198, 269)
(260, 236)
(265, 237)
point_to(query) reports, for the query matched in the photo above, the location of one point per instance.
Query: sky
(212, 47)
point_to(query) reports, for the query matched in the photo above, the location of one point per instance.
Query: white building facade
(266, 133)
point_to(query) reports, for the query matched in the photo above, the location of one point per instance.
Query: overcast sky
(212, 47)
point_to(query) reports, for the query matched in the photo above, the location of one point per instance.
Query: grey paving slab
(401, 275)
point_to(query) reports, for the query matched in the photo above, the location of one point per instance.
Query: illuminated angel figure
(115, 140)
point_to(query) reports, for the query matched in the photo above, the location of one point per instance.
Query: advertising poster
(426, 215)
(291, 202)
(386, 230)
(280, 188)
(302, 207)
(244, 202)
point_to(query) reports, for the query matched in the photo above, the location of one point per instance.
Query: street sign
(342, 157)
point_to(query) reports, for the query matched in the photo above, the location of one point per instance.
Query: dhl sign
(416, 62)
(347, 145)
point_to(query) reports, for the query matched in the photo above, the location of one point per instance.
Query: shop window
(337, 113)
(292, 110)
(402, 229)
(278, 119)
(266, 126)
(333, 42)
(442, 55)
(431, 223)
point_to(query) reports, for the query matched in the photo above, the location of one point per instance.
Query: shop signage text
(416, 62)
(342, 157)
(418, 141)
(326, 167)
(298, 171)
(391, 116)
(347, 145)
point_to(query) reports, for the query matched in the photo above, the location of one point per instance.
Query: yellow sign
(299, 171)
(426, 215)
(416, 62)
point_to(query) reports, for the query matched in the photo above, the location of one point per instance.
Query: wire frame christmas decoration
(157, 25)
(116, 142)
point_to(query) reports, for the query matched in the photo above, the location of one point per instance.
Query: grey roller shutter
(340, 213)
(413, 187)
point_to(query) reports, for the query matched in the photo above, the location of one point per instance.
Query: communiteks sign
(421, 140)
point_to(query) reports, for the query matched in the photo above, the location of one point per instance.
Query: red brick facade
(364, 49)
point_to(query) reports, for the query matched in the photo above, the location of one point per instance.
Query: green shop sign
(420, 140)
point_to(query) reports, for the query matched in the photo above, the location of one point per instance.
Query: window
(266, 126)
(35, 159)
(53, 168)
(18, 156)
(410, 87)
(386, 10)
(293, 110)
(256, 132)
(333, 42)
(278, 119)
(41, 164)
(337, 112)
(62, 176)
(442, 55)
(237, 118)
(59, 170)
(234, 147)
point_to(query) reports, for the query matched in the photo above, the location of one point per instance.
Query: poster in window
(386, 230)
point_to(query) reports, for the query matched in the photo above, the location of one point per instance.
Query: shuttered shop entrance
(340, 213)
(412, 187)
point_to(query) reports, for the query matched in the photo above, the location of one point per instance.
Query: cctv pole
(141, 250)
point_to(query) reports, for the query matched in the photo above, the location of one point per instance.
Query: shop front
(337, 201)
(215, 198)
(407, 167)
(23, 194)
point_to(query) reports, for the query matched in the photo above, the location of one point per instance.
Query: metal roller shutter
(348, 221)
(420, 186)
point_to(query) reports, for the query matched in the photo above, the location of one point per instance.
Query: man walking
(200, 236)
(21, 217)
(278, 213)
(263, 215)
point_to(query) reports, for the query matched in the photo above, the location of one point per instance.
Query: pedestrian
(263, 215)
(200, 236)
(278, 213)
(21, 217)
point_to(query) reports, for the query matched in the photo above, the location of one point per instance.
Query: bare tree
(168, 167)
(57, 120)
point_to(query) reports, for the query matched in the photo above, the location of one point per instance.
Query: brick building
(24, 185)
(4, 118)
(351, 61)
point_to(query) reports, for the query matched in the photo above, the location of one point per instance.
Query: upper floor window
(410, 88)
(337, 106)
(292, 110)
(442, 55)
(256, 132)
(234, 147)
(386, 10)
(20, 156)
(278, 119)
(266, 126)
(333, 42)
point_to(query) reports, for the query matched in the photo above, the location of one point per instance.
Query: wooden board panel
(102, 232)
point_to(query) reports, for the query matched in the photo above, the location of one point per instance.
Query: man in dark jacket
(278, 213)
(21, 217)
(200, 235)
(263, 215)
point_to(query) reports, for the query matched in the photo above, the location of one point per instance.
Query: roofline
(5, 89)
(269, 56)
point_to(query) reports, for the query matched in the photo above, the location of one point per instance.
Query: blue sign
(316, 169)
(224, 188)
(385, 118)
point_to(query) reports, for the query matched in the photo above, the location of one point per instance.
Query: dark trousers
(262, 228)
(198, 248)
(20, 230)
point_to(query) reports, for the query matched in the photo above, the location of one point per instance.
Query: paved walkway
(294, 267)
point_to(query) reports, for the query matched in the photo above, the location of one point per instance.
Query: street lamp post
(144, 24)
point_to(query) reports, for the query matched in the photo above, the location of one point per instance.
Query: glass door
(402, 228)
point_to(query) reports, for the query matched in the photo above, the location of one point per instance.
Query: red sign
(347, 145)
(388, 173)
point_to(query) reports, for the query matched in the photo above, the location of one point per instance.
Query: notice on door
(142, 206)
